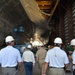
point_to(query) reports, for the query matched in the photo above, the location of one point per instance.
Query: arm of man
(45, 68)
(20, 65)
(65, 67)
(19, 60)
(37, 57)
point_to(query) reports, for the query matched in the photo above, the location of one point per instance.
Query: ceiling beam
(57, 2)
(45, 7)
(44, 3)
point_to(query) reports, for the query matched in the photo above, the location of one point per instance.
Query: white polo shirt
(28, 56)
(56, 57)
(9, 56)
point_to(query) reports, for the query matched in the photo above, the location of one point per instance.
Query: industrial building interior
(37, 20)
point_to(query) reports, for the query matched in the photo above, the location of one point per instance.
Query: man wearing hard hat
(10, 58)
(56, 58)
(29, 60)
(40, 57)
(73, 55)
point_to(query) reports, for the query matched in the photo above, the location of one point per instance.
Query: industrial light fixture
(21, 29)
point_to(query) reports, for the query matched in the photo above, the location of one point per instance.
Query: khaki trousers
(56, 71)
(41, 65)
(9, 71)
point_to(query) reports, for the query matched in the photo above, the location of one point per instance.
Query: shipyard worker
(73, 55)
(29, 60)
(10, 58)
(40, 57)
(69, 53)
(56, 58)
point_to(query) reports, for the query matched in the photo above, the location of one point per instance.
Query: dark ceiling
(12, 11)
(15, 13)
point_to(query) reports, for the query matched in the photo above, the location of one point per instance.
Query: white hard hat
(40, 44)
(22, 49)
(29, 46)
(73, 42)
(9, 39)
(58, 40)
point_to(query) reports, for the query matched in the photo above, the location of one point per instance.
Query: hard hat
(48, 46)
(29, 46)
(40, 44)
(73, 42)
(58, 40)
(22, 49)
(9, 39)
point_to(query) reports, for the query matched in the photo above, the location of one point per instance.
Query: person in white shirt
(73, 55)
(56, 58)
(10, 58)
(29, 60)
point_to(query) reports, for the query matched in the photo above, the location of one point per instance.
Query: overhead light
(35, 43)
(21, 29)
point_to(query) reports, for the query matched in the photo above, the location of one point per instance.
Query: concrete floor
(36, 71)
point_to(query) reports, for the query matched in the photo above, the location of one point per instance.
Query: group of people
(11, 60)
(54, 61)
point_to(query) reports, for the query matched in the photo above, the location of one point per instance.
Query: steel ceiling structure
(33, 15)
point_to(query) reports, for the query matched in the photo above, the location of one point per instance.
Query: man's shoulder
(3, 48)
(15, 50)
(50, 50)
